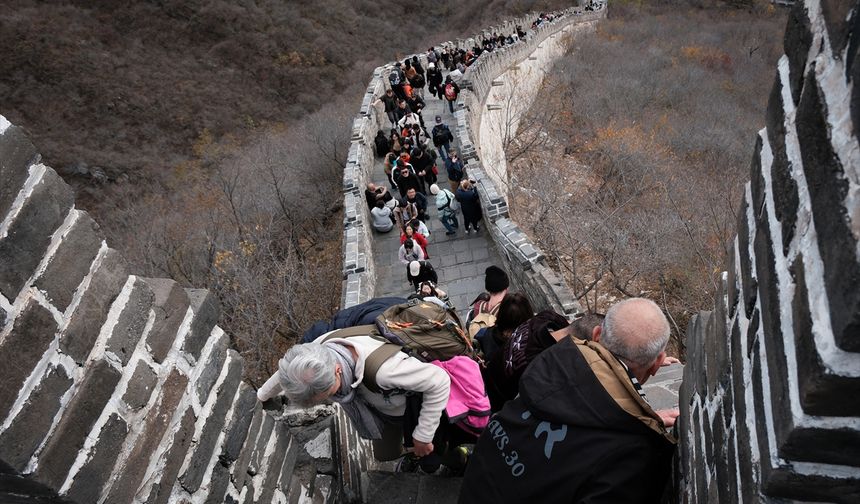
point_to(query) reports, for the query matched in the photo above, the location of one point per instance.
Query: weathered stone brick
(155, 424)
(198, 463)
(170, 306)
(17, 153)
(260, 447)
(752, 331)
(31, 425)
(211, 368)
(798, 39)
(289, 465)
(218, 484)
(822, 392)
(785, 198)
(733, 291)
(90, 480)
(71, 432)
(773, 335)
(206, 311)
(131, 322)
(181, 441)
(836, 19)
(240, 468)
(284, 442)
(852, 72)
(749, 285)
(243, 412)
(828, 187)
(33, 330)
(140, 386)
(30, 232)
(71, 262)
(85, 323)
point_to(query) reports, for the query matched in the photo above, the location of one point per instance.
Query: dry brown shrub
(655, 123)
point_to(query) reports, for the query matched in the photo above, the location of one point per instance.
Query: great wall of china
(119, 388)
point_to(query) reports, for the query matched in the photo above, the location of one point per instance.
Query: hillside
(130, 89)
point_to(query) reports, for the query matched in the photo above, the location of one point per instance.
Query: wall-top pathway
(459, 260)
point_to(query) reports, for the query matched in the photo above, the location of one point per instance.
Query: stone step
(71, 261)
(206, 311)
(170, 305)
(131, 318)
(33, 330)
(410, 488)
(30, 426)
(149, 441)
(25, 239)
(85, 322)
(209, 427)
(85, 407)
(17, 154)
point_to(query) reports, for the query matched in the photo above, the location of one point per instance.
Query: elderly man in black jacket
(581, 429)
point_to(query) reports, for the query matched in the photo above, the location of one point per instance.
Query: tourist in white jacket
(316, 372)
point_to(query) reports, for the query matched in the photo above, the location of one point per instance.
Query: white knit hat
(434, 189)
(414, 268)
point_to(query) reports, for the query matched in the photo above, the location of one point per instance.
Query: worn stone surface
(17, 153)
(140, 386)
(243, 413)
(749, 285)
(131, 322)
(155, 425)
(88, 483)
(785, 198)
(260, 446)
(828, 187)
(84, 409)
(240, 468)
(272, 471)
(797, 41)
(211, 368)
(181, 441)
(31, 425)
(71, 262)
(33, 330)
(85, 323)
(206, 311)
(170, 305)
(205, 444)
(29, 234)
(835, 17)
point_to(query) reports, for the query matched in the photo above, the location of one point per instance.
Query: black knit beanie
(496, 279)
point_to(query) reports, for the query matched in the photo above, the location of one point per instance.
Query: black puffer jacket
(578, 432)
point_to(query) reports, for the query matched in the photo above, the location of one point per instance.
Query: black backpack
(440, 134)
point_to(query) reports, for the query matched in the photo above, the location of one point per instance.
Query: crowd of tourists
(529, 406)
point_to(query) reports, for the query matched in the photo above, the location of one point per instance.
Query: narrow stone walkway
(459, 260)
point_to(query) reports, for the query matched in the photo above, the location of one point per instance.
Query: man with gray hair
(581, 429)
(373, 388)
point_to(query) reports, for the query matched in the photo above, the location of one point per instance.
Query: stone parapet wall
(769, 405)
(116, 388)
(358, 267)
(524, 260)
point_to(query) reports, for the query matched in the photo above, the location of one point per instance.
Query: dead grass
(661, 106)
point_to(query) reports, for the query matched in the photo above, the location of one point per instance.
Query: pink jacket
(468, 405)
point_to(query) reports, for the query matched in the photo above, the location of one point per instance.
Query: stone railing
(524, 260)
(119, 388)
(769, 405)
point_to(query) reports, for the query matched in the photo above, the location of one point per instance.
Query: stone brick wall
(117, 388)
(524, 260)
(769, 397)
